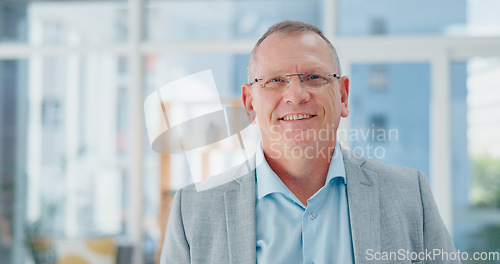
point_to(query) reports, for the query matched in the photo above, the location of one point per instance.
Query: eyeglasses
(308, 80)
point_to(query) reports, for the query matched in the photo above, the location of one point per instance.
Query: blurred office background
(78, 177)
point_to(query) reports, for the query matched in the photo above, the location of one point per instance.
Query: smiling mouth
(296, 117)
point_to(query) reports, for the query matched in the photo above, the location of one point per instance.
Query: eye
(314, 77)
(277, 79)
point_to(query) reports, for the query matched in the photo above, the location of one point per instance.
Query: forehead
(293, 52)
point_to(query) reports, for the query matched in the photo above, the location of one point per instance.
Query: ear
(344, 96)
(247, 98)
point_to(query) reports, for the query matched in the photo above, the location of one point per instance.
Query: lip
(282, 118)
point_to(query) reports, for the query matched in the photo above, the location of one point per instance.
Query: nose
(294, 92)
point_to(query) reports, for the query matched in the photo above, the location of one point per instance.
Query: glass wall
(63, 22)
(77, 150)
(364, 17)
(389, 113)
(78, 143)
(175, 20)
(64, 130)
(13, 132)
(477, 199)
(73, 139)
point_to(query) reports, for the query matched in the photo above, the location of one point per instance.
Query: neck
(303, 173)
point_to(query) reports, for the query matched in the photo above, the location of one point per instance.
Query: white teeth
(296, 117)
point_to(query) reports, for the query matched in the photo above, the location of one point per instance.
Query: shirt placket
(309, 229)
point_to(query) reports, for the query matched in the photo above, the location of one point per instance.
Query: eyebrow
(310, 70)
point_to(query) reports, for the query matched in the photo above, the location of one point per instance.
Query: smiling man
(295, 93)
(306, 199)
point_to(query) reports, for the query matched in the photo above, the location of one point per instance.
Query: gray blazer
(391, 210)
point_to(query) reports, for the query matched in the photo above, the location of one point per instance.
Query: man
(305, 198)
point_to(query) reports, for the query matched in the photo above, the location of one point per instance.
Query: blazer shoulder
(392, 171)
(385, 172)
(230, 179)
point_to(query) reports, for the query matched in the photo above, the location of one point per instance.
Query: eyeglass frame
(256, 80)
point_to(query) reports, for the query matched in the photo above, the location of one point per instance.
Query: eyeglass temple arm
(255, 80)
(334, 75)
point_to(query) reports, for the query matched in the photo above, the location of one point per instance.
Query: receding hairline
(287, 28)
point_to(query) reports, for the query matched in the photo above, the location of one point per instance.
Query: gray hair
(291, 27)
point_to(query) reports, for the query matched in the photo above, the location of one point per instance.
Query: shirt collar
(268, 182)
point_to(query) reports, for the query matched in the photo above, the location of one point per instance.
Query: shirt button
(312, 216)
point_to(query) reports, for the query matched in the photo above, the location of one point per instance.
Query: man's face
(274, 110)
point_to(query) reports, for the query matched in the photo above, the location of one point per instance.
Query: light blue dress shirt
(289, 232)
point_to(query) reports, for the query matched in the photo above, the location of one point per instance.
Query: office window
(378, 78)
(378, 26)
(72, 81)
(476, 170)
(379, 126)
(222, 20)
(366, 17)
(13, 124)
(402, 109)
(63, 22)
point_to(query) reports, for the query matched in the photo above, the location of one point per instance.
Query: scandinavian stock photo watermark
(430, 255)
(287, 142)
(176, 125)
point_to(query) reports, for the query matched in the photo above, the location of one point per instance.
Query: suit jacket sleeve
(175, 247)
(436, 236)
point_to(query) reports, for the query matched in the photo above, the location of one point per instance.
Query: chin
(301, 144)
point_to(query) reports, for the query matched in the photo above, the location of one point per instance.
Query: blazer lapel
(240, 220)
(364, 211)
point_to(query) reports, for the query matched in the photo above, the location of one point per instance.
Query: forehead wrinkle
(314, 67)
(310, 57)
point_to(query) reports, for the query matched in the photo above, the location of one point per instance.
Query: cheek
(262, 112)
(331, 101)
(266, 105)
